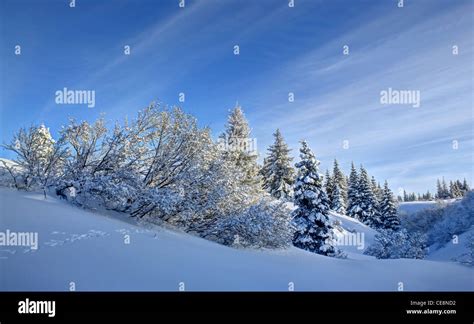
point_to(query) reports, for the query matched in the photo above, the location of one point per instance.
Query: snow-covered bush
(108, 191)
(443, 221)
(467, 257)
(208, 191)
(266, 224)
(159, 167)
(457, 218)
(128, 167)
(96, 171)
(423, 220)
(390, 244)
(182, 162)
(39, 158)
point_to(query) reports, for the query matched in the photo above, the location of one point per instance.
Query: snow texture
(159, 259)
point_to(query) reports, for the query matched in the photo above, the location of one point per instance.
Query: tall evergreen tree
(452, 190)
(460, 189)
(278, 175)
(353, 208)
(457, 189)
(265, 173)
(373, 184)
(377, 193)
(328, 185)
(465, 186)
(445, 189)
(405, 196)
(337, 199)
(340, 179)
(239, 148)
(429, 196)
(368, 202)
(313, 229)
(439, 189)
(336, 185)
(388, 210)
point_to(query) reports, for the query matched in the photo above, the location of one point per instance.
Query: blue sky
(282, 50)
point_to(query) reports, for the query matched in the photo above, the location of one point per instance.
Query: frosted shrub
(390, 244)
(264, 225)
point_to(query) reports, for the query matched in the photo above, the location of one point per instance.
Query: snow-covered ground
(415, 206)
(351, 226)
(89, 250)
(451, 249)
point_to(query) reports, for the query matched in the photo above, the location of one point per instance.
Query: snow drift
(89, 251)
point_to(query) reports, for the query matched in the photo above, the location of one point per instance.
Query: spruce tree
(265, 173)
(313, 229)
(439, 189)
(373, 184)
(239, 148)
(405, 196)
(428, 196)
(368, 202)
(353, 208)
(340, 179)
(465, 186)
(452, 190)
(328, 185)
(278, 175)
(388, 210)
(377, 193)
(337, 200)
(460, 189)
(457, 189)
(445, 190)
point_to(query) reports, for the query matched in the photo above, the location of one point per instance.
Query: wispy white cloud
(338, 96)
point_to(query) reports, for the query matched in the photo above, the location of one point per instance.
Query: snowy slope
(415, 206)
(88, 249)
(351, 226)
(451, 249)
(344, 226)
